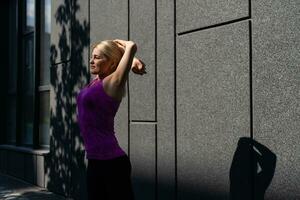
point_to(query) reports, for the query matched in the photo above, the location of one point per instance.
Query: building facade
(217, 71)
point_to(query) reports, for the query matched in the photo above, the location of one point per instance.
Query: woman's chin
(94, 72)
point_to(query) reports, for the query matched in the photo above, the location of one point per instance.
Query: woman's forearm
(125, 64)
(134, 58)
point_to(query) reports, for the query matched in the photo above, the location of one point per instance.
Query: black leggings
(109, 179)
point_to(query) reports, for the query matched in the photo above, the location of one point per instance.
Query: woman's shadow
(251, 171)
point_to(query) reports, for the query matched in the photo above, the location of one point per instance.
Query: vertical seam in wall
(250, 78)
(251, 108)
(89, 36)
(155, 56)
(156, 176)
(128, 112)
(175, 104)
(155, 82)
(249, 9)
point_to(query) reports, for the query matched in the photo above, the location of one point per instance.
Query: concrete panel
(121, 124)
(109, 20)
(47, 170)
(212, 108)
(58, 164)
(142, 156)
(40, 170)
(60, 31)
(30, 168)
(165, 101)
(80, 41)
(276, 86)
(194, 14)
(80, 77)
(142, 88)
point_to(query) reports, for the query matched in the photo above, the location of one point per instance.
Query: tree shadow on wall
(64, 166)
(252, 170)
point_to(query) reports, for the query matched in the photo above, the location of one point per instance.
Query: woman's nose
(91, 61)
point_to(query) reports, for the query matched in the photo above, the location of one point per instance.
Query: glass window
(21, 120)
(30, 15)
(27, 92)
(47, 7)
(11, 113)
(45, 42)
(44, 85)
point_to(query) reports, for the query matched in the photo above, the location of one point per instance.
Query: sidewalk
(15, 189)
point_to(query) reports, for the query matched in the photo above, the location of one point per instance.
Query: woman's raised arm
(120, 75)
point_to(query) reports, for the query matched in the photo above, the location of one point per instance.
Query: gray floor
(15, 189)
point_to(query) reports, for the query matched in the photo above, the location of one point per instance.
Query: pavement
(15, 189)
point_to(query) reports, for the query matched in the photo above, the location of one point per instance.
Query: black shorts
(109, 179)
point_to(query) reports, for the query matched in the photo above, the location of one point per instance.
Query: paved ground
(15, 189)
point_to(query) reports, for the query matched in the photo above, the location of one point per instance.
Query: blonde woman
(109, 168)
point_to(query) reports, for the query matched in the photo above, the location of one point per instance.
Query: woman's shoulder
(111, 90)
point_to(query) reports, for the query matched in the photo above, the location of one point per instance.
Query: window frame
(37, 88)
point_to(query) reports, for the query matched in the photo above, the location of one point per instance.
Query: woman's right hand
(125, 44)
(138, 66)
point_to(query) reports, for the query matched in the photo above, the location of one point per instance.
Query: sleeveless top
(95, 116)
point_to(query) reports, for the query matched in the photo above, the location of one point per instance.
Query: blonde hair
(111, 50)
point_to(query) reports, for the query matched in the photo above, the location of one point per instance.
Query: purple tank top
(95, 116)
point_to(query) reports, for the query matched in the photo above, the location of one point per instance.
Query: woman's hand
(138, 66)
(123, 44)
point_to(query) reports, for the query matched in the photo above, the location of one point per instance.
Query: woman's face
(100, 64)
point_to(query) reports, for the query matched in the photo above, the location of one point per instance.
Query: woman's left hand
(138, 66)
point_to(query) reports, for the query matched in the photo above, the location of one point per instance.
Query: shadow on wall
(251, 171)
(64, 166)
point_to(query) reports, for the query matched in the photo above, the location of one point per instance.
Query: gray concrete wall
(58, 163)
(24, 164)
(212, 107)
(216, 71)
(276, 86)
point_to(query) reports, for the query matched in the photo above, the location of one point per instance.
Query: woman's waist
(104, 146)
(100, 128)
(94, 135)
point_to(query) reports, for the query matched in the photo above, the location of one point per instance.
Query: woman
(109, 168)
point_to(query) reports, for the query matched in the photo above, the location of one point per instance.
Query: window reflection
(44, 107)
(27, 91)
(47, 16)
(11, 109)
(45, 42)
(29, 62)
(27, 66)
(30, 12)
